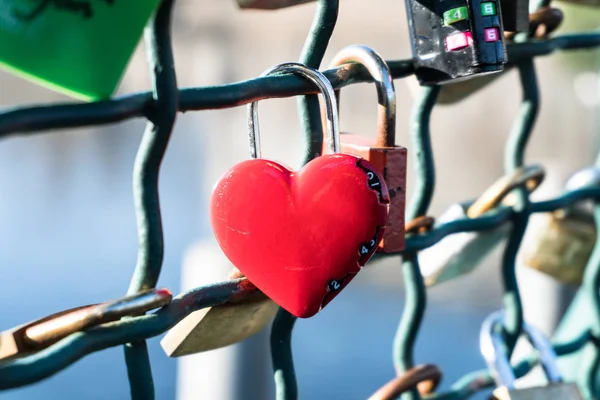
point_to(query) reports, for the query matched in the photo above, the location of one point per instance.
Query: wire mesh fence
(160, 107)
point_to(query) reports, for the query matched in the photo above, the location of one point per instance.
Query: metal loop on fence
(331, 112)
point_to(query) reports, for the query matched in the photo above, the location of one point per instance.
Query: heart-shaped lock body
(300, 236)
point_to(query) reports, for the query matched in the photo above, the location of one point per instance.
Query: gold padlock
(492, 348)
(563, 245)
(461, 253)
(563, 241)
(215, 327)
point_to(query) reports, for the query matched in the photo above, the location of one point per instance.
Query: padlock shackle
(530, 176)
(491, 346)
(331, 110)
(425, 378)
(384, 83)
(420, 224)
(493, 350)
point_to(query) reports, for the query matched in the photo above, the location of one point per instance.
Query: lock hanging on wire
(542, 23)
(460, 253)
(492, 348)
(453, 41)
(220, 326)
(300, 236)
(562, 244)
(389, 160)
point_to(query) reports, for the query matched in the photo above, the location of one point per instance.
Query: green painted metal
(312, 56)
(415, 293)
(579, 337)
(281, 355)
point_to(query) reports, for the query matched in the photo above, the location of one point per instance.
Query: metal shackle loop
(420, 224)
(530, 176)
(327, 91)
(386, 93)
(492, 348)
(426, 378)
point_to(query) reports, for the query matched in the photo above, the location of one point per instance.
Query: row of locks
(561, 250)
(366, 178)
(319, 247)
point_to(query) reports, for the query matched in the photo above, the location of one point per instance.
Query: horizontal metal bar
(41, 365)
(492, 220)
(73, 114)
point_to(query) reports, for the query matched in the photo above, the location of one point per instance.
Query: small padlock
(456, 40)
(270, 4)
(492, 349)
(382, 152)
(542, 23)
(460, 253)
(219, 326)
(563, 242)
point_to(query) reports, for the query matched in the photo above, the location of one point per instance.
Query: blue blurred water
(68, 238)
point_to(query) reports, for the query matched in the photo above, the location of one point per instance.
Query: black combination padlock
(454, 40)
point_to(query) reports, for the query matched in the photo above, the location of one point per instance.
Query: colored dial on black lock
(455, 39)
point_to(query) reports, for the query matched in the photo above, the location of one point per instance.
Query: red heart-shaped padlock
(300, 237)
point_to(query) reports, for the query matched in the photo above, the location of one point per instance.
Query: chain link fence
(161, 107)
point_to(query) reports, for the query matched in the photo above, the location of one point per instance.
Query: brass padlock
(492, 349)
(460, 253)
(215, 327)
(270, 4)
(389, 159)
(563, 242)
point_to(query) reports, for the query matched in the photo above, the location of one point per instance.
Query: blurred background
(68, 228)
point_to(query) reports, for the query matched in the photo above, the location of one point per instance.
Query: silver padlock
(460, 253)
(562, 243)
(492, 349)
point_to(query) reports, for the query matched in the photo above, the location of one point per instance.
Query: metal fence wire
(161, 106)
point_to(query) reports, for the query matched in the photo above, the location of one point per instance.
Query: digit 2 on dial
(455, 40)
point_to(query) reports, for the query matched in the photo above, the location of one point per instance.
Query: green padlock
(77, 47)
